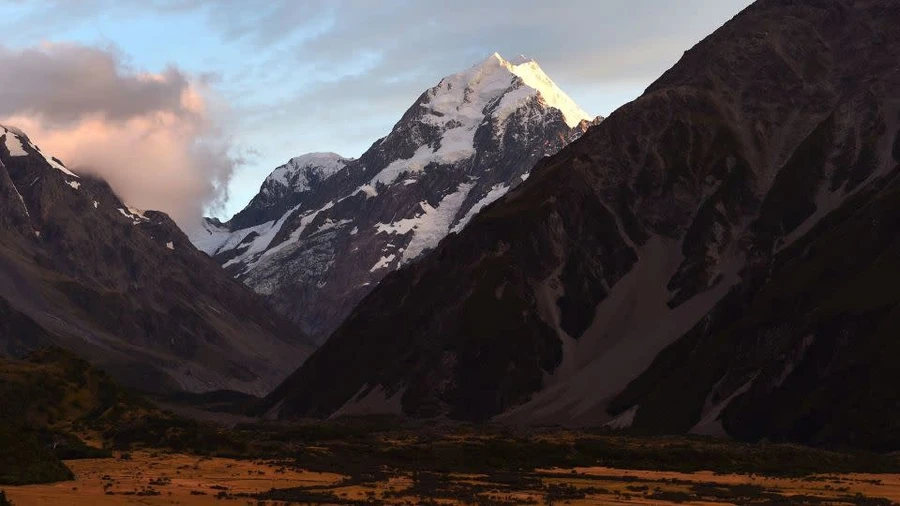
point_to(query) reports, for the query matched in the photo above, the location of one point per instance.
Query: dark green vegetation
(46, 399)
(60, 395)
(366, 446)
(495, 465)
(218, 401)
(25, 458)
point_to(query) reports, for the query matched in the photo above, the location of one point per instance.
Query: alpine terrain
(719, 256)
(125, 288)
(324, 230)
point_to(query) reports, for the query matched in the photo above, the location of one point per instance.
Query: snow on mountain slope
(300, 172)
(324, 229)
(14, 143)
(210, 236)
(460, 104)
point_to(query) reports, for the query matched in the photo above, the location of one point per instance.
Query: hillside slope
(716, 257)
(81, 270)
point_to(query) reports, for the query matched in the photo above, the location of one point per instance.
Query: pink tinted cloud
(150, 135)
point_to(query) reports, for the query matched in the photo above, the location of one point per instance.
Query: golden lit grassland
(159, 478)
(151, 478)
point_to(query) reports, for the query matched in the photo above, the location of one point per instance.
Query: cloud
(334, 75)
(152, 136)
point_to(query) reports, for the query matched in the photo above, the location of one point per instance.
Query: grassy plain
(154, 478)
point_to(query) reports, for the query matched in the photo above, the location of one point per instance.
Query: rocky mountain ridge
(82, 270)
(324, 230)
(716, 257)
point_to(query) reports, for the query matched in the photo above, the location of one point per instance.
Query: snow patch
(58, 166)
(330, 224)
(295, 235)
(16, 147)
(711, 422)
(170, 245)
(535, 78)
(208, 237)
(370, 401)
(25, 207)
(74, 184)
(297, 171)
(624, 420)
(429, 227)
(368, 189)
(14, 144)
(135, 215)
(497, 191)
(630, 327)
(384, 262)
(423, 156)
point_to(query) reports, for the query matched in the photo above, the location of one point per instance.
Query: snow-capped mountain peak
(324, 230)
(461, 104)
(16, 140)
(534, 77)
(298, 171)
(468, 93)
(494, 77)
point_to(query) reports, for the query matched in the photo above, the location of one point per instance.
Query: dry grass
(175, 479)
(178, 479)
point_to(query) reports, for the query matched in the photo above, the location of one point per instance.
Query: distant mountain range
(324, 230)
(719, 256)
(125, 288)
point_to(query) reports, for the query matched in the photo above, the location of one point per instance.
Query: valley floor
(153, 478)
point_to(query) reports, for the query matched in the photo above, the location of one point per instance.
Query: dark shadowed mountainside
(718, 256)
(81, 270)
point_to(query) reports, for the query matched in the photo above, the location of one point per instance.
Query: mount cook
(324, 230)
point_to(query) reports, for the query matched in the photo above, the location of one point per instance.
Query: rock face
(324, 230)
(81, 270)
(718, 256)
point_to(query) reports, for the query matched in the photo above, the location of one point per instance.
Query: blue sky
(288, 77)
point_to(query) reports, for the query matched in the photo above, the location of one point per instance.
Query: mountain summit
(324, 229)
